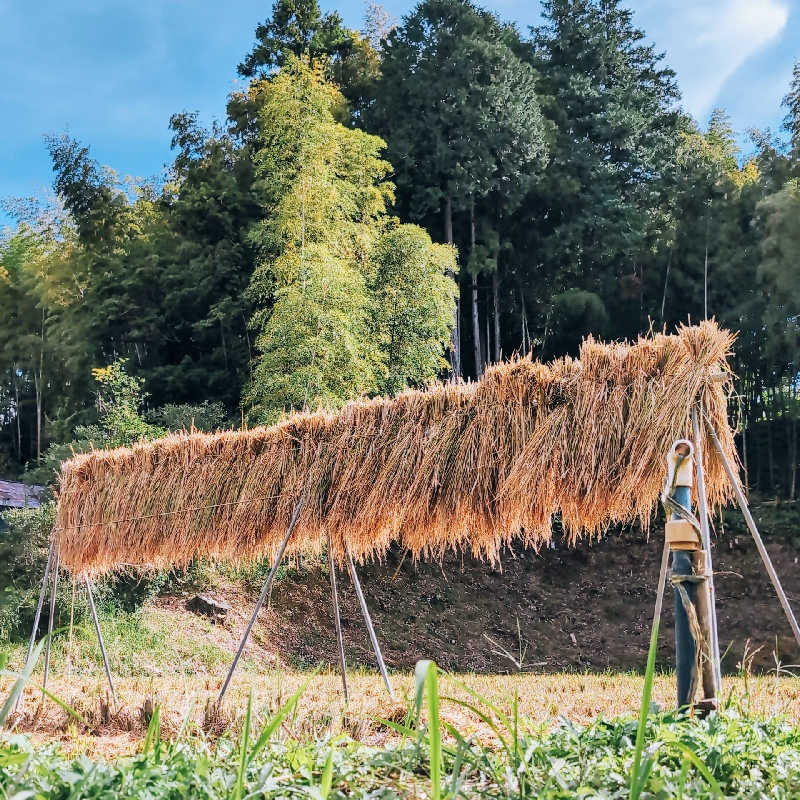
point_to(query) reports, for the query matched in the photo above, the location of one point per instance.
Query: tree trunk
(224, 345)
(793, 442)
(476, 328)
(746, 422)
(496, 314)
(666, 282)
(526, 339)
(39, 384)
(15, 379)
(770, 452)
(455, 338)
(488, 339)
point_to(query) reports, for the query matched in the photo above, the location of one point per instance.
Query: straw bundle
(455, 466)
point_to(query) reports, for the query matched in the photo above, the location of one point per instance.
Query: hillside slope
(587, 608)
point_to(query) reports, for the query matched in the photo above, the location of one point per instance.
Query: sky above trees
(111, 73)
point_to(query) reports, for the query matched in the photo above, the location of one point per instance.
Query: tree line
(408, 201)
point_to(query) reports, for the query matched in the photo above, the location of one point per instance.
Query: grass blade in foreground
(427, 681)
(638, 777)
(19, 684)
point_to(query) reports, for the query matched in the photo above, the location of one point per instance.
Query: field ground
(543, 699)
(578, 619)
(166, 657)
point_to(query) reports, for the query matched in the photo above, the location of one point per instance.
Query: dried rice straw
(466, 465)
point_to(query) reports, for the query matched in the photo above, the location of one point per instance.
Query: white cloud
(707, 41)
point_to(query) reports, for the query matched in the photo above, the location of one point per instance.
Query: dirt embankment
(587, 608)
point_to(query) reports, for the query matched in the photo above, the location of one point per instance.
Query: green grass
(727, 755)
(269, 751)
(731, 754)
(138, 645)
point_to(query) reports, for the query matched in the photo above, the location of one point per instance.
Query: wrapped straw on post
(465, 466)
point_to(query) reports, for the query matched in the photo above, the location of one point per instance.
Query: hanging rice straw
(465, 466)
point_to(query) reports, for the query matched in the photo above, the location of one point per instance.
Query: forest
(393, 205)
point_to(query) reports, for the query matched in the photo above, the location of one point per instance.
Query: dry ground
(543, 698)
(582, 617)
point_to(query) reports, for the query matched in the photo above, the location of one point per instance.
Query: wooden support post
(337, 618)
(368, 620)
(751, 524)
(38, 614)
(96, 621)
(262, 597)
(53, 592)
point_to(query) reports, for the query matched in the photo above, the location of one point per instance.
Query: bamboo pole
(337, 619)
(262, 597)
(706, 596)
(368, 620)
(93, 611)
(751, 524)
(662, 581)
(38, 614)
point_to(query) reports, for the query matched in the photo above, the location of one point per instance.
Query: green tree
(299, 29)
(459, 108)
(611, 104)
(412, 299)
(328, 292)
(35, 284)
(119, 401)
(325, 195)
(791, 122)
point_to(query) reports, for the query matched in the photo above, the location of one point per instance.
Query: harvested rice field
(544, 700)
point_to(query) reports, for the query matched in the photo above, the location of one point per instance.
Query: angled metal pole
(368, 620)
(262, 597)
(662, 582)
(706, 538)
(100, 638)
(338, 619)
(38, 614)
(751, 524)
(53, 592)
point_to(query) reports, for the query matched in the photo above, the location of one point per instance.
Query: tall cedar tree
(612, 106)
(459, 110)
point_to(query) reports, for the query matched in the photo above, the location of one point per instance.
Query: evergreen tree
(791, 122)
(299, 29)
(458, 107)
(611, 105)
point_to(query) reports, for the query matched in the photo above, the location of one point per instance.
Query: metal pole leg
(337, 617)
(100, 638)
(38, 614)
(262, 597)
(53, 592)
(706, 537)
(368, 620)
(662, 582)
(748, 517)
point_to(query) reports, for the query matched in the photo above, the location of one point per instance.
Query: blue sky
(111, 72)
